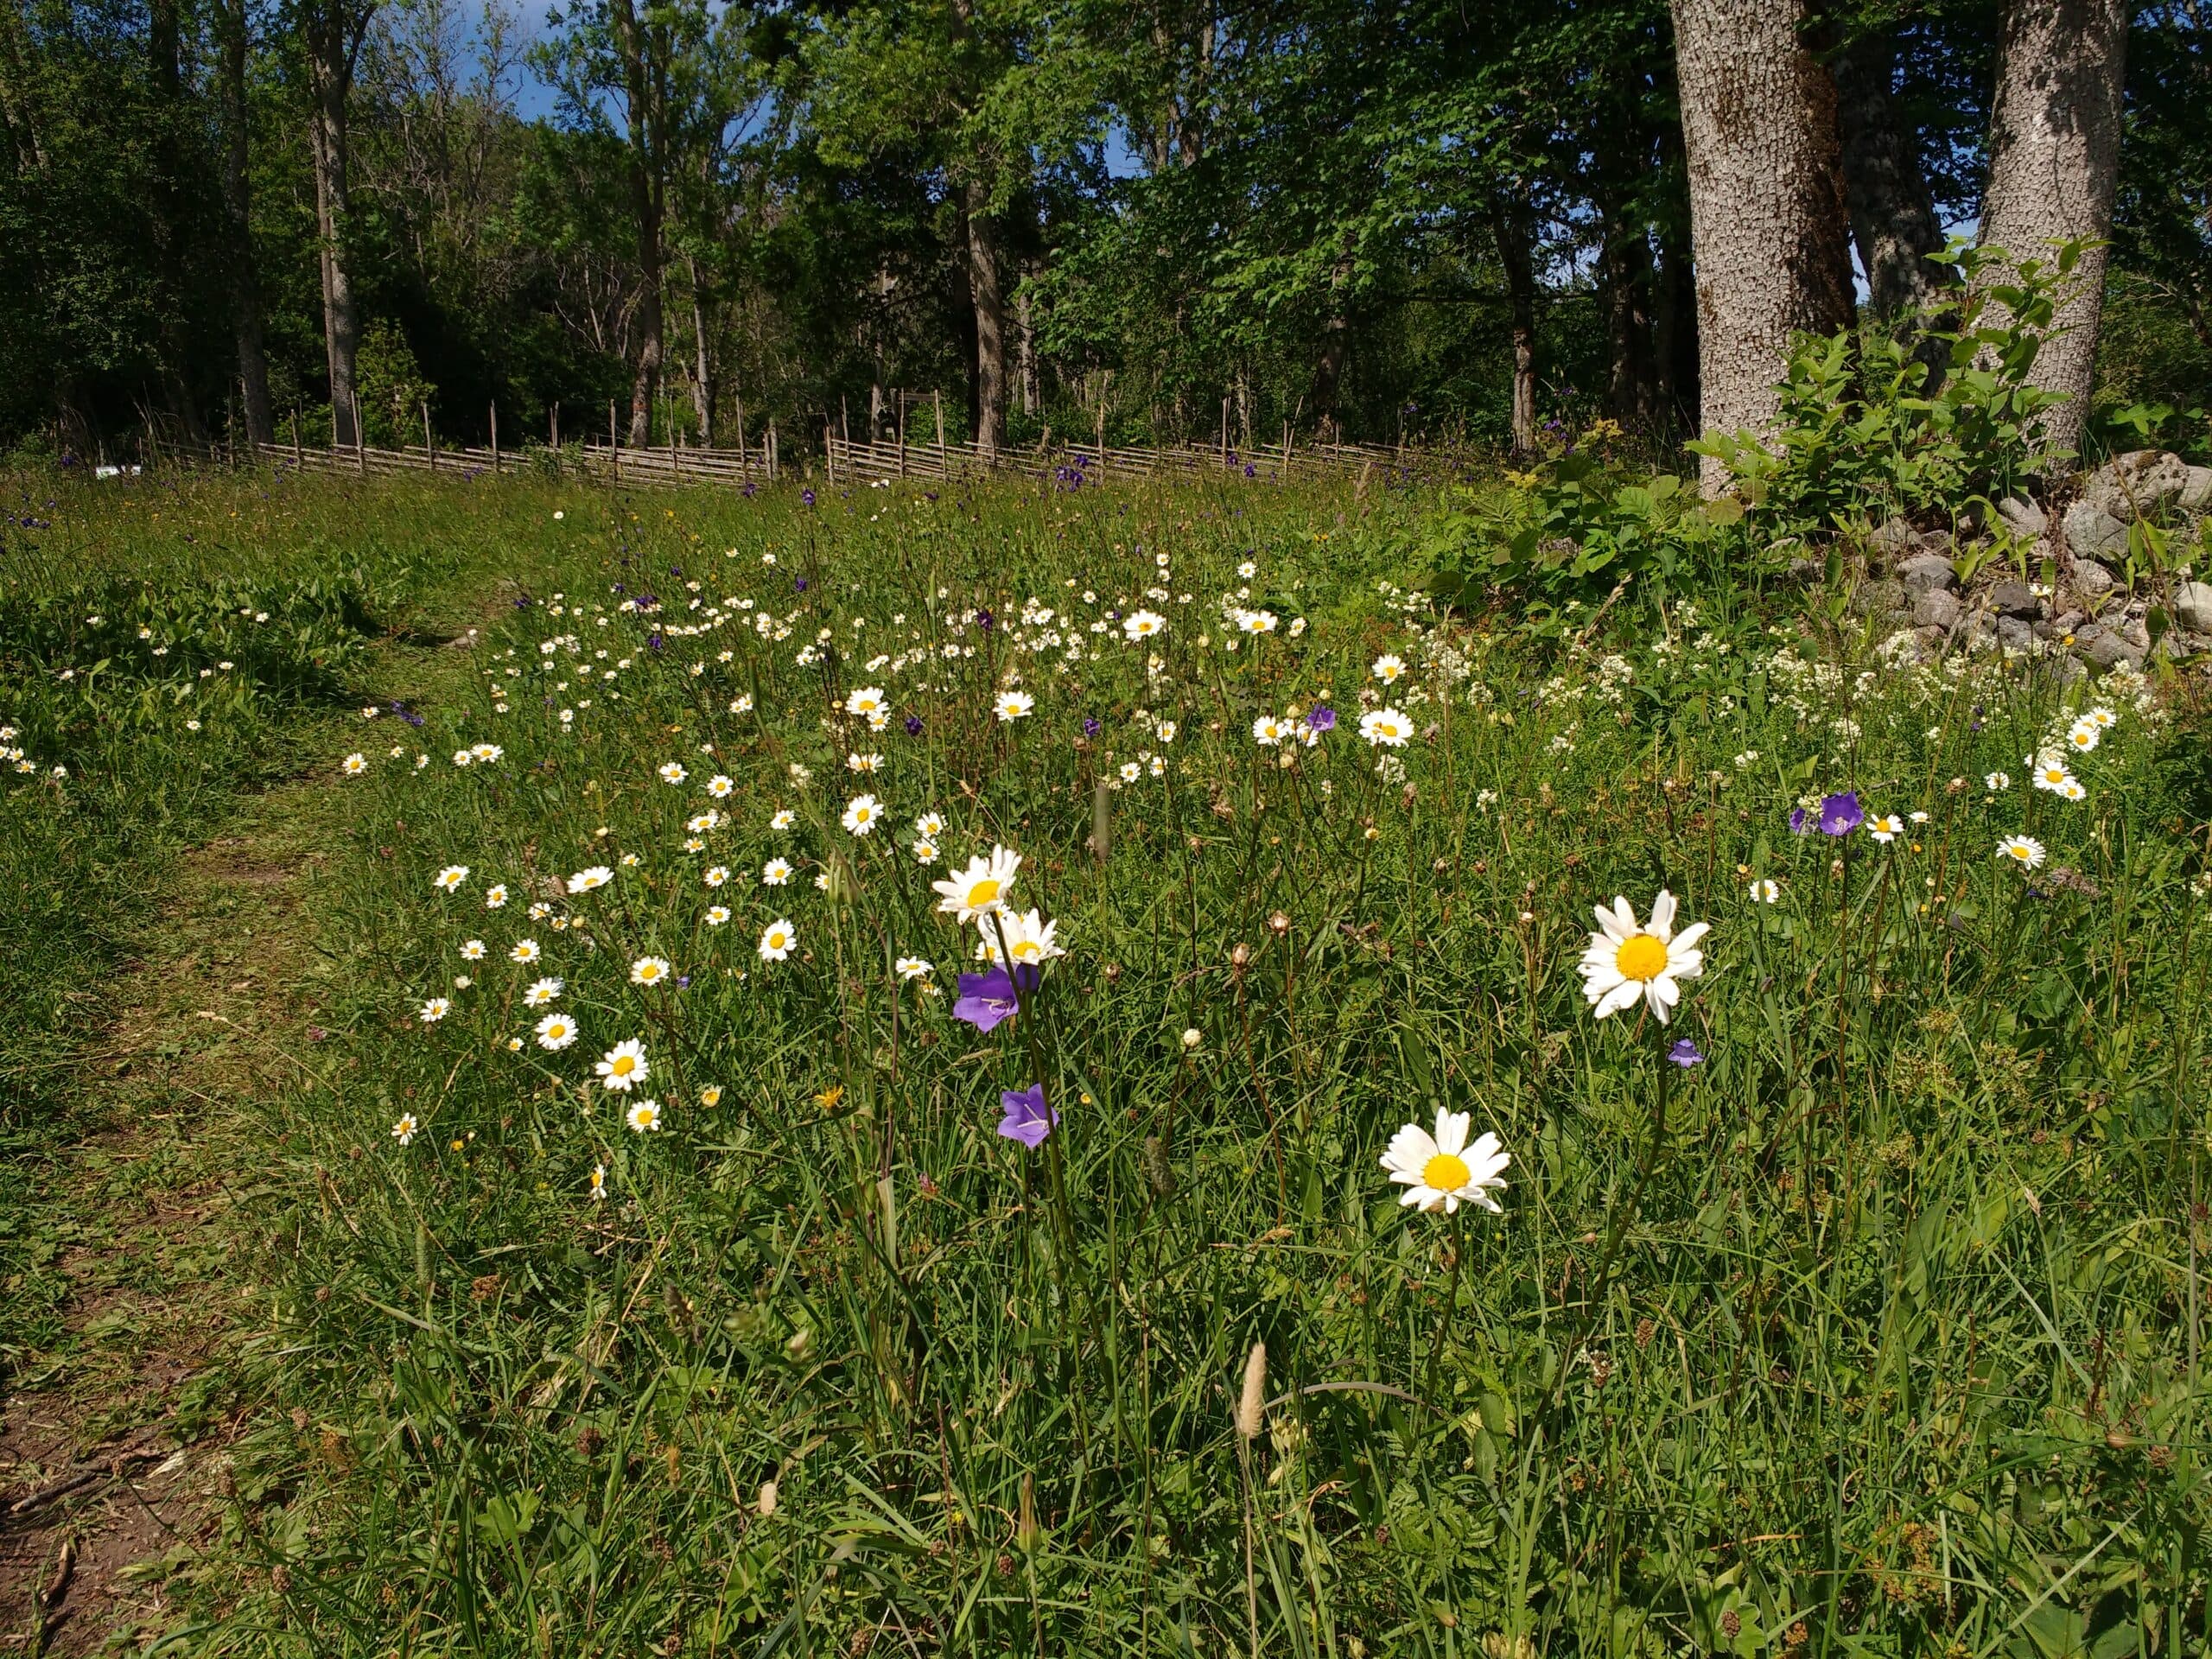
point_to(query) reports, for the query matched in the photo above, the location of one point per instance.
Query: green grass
(1877, 1332)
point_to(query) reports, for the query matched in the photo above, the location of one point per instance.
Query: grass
(1877, 1330)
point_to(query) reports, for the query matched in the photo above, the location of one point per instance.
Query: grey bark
(238, 203)
(1513, 222)
(2054, 163)
(333, 33)
(983, 285)
(1766, 202)
(648, 200)
(1892, 214)
(703, 384)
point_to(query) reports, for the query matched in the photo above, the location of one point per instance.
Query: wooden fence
(848, 461)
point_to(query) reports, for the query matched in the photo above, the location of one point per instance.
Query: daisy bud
(1279, 923)
(1252, 1402)
(1240, 957)
(766, 1505)
(1190, 1038)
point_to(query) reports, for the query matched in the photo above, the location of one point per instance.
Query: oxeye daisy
(2072, 789)
(593, 876)
(542, 993)
(912, 967)
(720, 786)
(776, 872)
(1266, 731)
(716, 876)
(451, 878)
(1997, 782)
(929, 826)
(1386, 726)
(673, 773)
(1029, 937)
(981, 887)
(1131, 772)
(1626, 961)
(556, 1032)
(623, 1067)
(473, 950)
(2103, 719)
(924, 851)
(783, 818)
(1389, 669)
(525, 952)
(643, 1116)
(777, 940)
(404, 1130)
(1766, 891)
(1013, 705)
(717, 914)
(495, 896)
(353, 765)
(2051, 773)
(1441, 1171)
(2024, 850)
(711, 1095)
(861, 814)
(435, 1010)
(598, 1187)
(1887, 828)
(2083, 736)
(868, 700)
(649, 971)
(1143, 625)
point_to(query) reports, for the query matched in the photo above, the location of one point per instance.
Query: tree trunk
(238, 202)
(334, 32)
(1673, 313)
(1766, 203)
(1892, 214)
(647, 201)
(1514, 224)
(702, 383)
(990, 319)
(1624, 275)
(2054, 161)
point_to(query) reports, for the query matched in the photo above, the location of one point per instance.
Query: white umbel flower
(1441, 1171)
(1625, 961)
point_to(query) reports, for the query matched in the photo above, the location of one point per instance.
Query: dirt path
(114, 1437)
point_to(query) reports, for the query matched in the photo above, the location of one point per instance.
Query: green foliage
(1918, 421)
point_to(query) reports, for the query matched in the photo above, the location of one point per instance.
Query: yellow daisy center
(1641, 955)
(623, 1066)
(1446, 1172)
(984, 891)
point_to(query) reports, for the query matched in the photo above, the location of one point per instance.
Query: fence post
(1285, 479)
(775, 459)
(1225, 432)
(298, 461)
(495, 437)
(429, 448)
(829, 453)
(614, 443)
(943, 467)
(553, 426)
(360, 438)
(744, 464)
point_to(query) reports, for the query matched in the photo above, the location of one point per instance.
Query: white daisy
(1997, 782)
(584, 880)
(403, 1131)
(649, 971)
(777, 940)
(1441, 1171)
(543, 992)
(1766, 891)
(525, 952)
(868, 700)
(1389, 669)
(473, 950)
(1029, 937)
(556, 1032)
(981, 887)
(717, 914)
(1625, 961)
(643, 1116)
(495, 896)
(1386, 726)
(623, 1067)
(1266, 731)
(861, 814)
(1143, 625)
(673, 773)
(1013, 705)
(450, 877)
(716, 876)
(2024, 850)
(776, 872)
(912, 968)
(1887, 828)
(435, 1010)
(720, 786)
(783, 818)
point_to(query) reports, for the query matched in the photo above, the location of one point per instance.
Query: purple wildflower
(985, 1000)
(914, 725)
(1841, 814)
(1091, 726)
(1027, 1119)
(1321, 718)
(807, 496)
(799, 582)
(984, 620)
(1686, 1053)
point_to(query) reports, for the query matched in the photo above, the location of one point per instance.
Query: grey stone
(1934, 608)
(2023, 517)
(1893, 539)
(1928, 570)
(2050, 628)
(2091, 580)
(1881, 599)
(2196, 493)
(1807, 572)
(2014, 634)
(2137, 632)
(2090, 531)
(2108, 647)
(2193, 606)
(2136, 484)
(2013, 598)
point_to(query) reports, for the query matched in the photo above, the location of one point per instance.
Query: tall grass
(1873, 1327)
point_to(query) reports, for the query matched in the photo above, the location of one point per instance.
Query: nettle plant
(1925, 419)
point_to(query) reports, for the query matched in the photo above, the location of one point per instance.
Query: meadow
(898, 1070)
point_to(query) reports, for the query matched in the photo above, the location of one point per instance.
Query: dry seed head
(1250, 1405)
(767, 1502)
